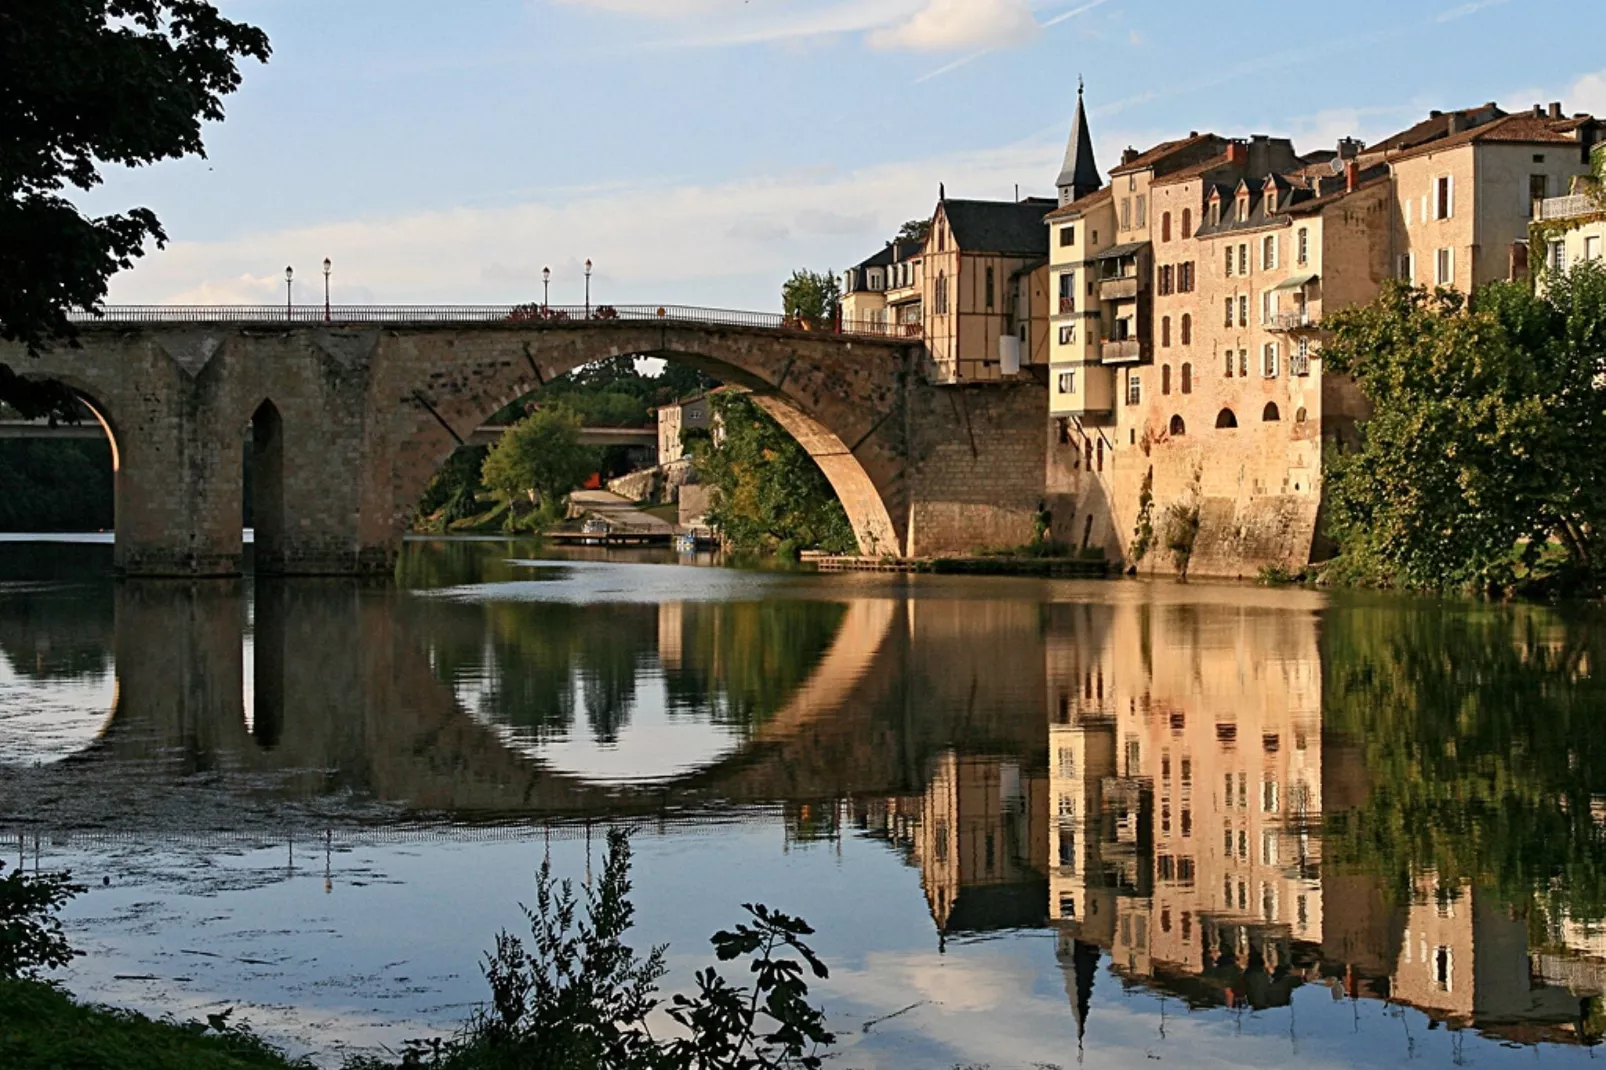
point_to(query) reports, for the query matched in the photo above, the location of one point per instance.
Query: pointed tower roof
(1080, 175)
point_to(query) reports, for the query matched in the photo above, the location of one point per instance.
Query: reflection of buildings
(1186, 787)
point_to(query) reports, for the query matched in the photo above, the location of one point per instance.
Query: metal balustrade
(517, 315)
(1568, 207)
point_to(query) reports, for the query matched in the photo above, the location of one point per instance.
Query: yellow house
(1570, 229)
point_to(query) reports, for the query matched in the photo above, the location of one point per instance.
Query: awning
(1116, 251)
(1298, 282)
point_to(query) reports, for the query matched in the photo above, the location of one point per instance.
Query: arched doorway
(265, 479)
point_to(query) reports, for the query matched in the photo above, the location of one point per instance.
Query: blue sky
(698, 150)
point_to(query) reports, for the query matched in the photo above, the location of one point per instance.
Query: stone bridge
(348, 420)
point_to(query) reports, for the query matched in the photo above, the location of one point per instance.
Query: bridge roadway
(481, 436)
(350, 416)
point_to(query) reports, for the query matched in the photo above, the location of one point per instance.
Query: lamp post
(588, 287)
(289, 275)
(326, 267)
(546, 287)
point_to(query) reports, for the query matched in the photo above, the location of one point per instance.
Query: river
(1035, 823)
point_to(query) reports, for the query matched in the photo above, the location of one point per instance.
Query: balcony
(1120, 288)
(1122, 351)
(1571, 207)
(1067, 305)
(1294, 321)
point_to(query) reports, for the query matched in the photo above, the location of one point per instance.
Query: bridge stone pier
(347, 424)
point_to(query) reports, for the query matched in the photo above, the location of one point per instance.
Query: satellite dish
(1337, 164)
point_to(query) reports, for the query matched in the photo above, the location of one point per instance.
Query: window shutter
(1449, 196)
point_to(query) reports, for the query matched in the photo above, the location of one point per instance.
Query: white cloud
(1588, 94)
(727, 244)
(1467, 9)
(946, 25)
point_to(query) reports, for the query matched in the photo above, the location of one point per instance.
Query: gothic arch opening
(64, 471)
(1178, 428)
(1225, 418)
(265, 479)
(1270, 414)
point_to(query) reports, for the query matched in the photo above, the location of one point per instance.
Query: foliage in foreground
(30, 933)
(536, 463)
(577, 997)
(768, 492)
(1487, 446)
(87, 83)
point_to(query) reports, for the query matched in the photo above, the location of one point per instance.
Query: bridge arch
(840, 401)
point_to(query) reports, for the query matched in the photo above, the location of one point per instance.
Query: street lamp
(546, 286)
(588, 287)
(326, 268)
(289, 274)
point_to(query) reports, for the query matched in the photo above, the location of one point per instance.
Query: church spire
(1080, 175)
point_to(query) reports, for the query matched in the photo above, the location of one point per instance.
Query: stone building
(1185, 367)
(1569, 229)
(679, 416)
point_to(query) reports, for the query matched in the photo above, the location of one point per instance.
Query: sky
(698, 151)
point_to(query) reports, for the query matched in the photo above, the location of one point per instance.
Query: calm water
(1035, 823)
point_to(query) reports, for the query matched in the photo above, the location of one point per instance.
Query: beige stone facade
(676, 418)
(1185, 366)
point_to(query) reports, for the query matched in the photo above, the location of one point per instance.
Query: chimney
(1539, 111)
(1348, 148)
(1555, 109)
(1128, 155)
(1237, 154)
(1435, 113)
(1456, 123)
(1352, 175)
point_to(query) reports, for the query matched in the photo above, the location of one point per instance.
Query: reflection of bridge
(351, 417)
(345, 699)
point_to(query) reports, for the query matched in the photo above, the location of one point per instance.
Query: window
(1243, 258)
(1270, 415)
(1067, 334)
(1446, 267)
(1093, 239)
(1243, 363)
(1538, 190)
(1268, 796)
(1303, 246)
(1444, 197)
(1165, 379)
(1225, 419)
(1300, 364)
(1067, 236)
(1067, 291)
(1142, 219)
(990, 289)
(1126, 213)
(1067, 382)
(942, 239)
(1243, 208)
(1187, 223)
(1165, 337)
(1187, 334)
(1101, 458)
(1243, 310)
(1178, 429)
(1229, 364)
(1229, 261)
(1165, 226)
(1228, 306)
(1167, 281)
(1267, 305)
(1268, 368)
(1134, 389)
(1268, 252)
(1592, 247)
(940, 297)
(1187, 372)
(1215, 213)
(1407, 268)
(1185, 278)
(1558, 256)
(1443, 968)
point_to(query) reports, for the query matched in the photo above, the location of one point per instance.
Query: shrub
(30, 933)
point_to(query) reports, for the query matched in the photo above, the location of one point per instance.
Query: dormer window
(1271, 200)
(1243, 207)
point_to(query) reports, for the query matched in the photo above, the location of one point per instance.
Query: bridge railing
(531, 314)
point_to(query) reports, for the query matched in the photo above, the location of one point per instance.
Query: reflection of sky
(652, 745)
(46, 720)
(392, 952)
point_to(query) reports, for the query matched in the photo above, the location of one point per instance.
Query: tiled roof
(1080, 205)
(1528, 129)
(1434, 127)
(1160, 153)
(1182, 174)
(1007, 227)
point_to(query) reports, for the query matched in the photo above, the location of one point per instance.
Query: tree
(85, 83)
(811, 297)
(915, 230)
(767, 490)
(1488, 436)
(31, 938)
(538, 461)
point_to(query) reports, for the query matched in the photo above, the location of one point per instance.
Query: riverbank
(1000, 565)
(43, 1028)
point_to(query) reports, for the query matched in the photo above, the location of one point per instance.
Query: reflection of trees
(1484, 738)
(61, 633)
(741, 661)
(540, 664)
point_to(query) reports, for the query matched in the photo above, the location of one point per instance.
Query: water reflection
(1217, 796)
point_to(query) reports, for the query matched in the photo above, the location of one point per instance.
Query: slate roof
(1010, 228)
(1294, 198)
(1079, 171)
